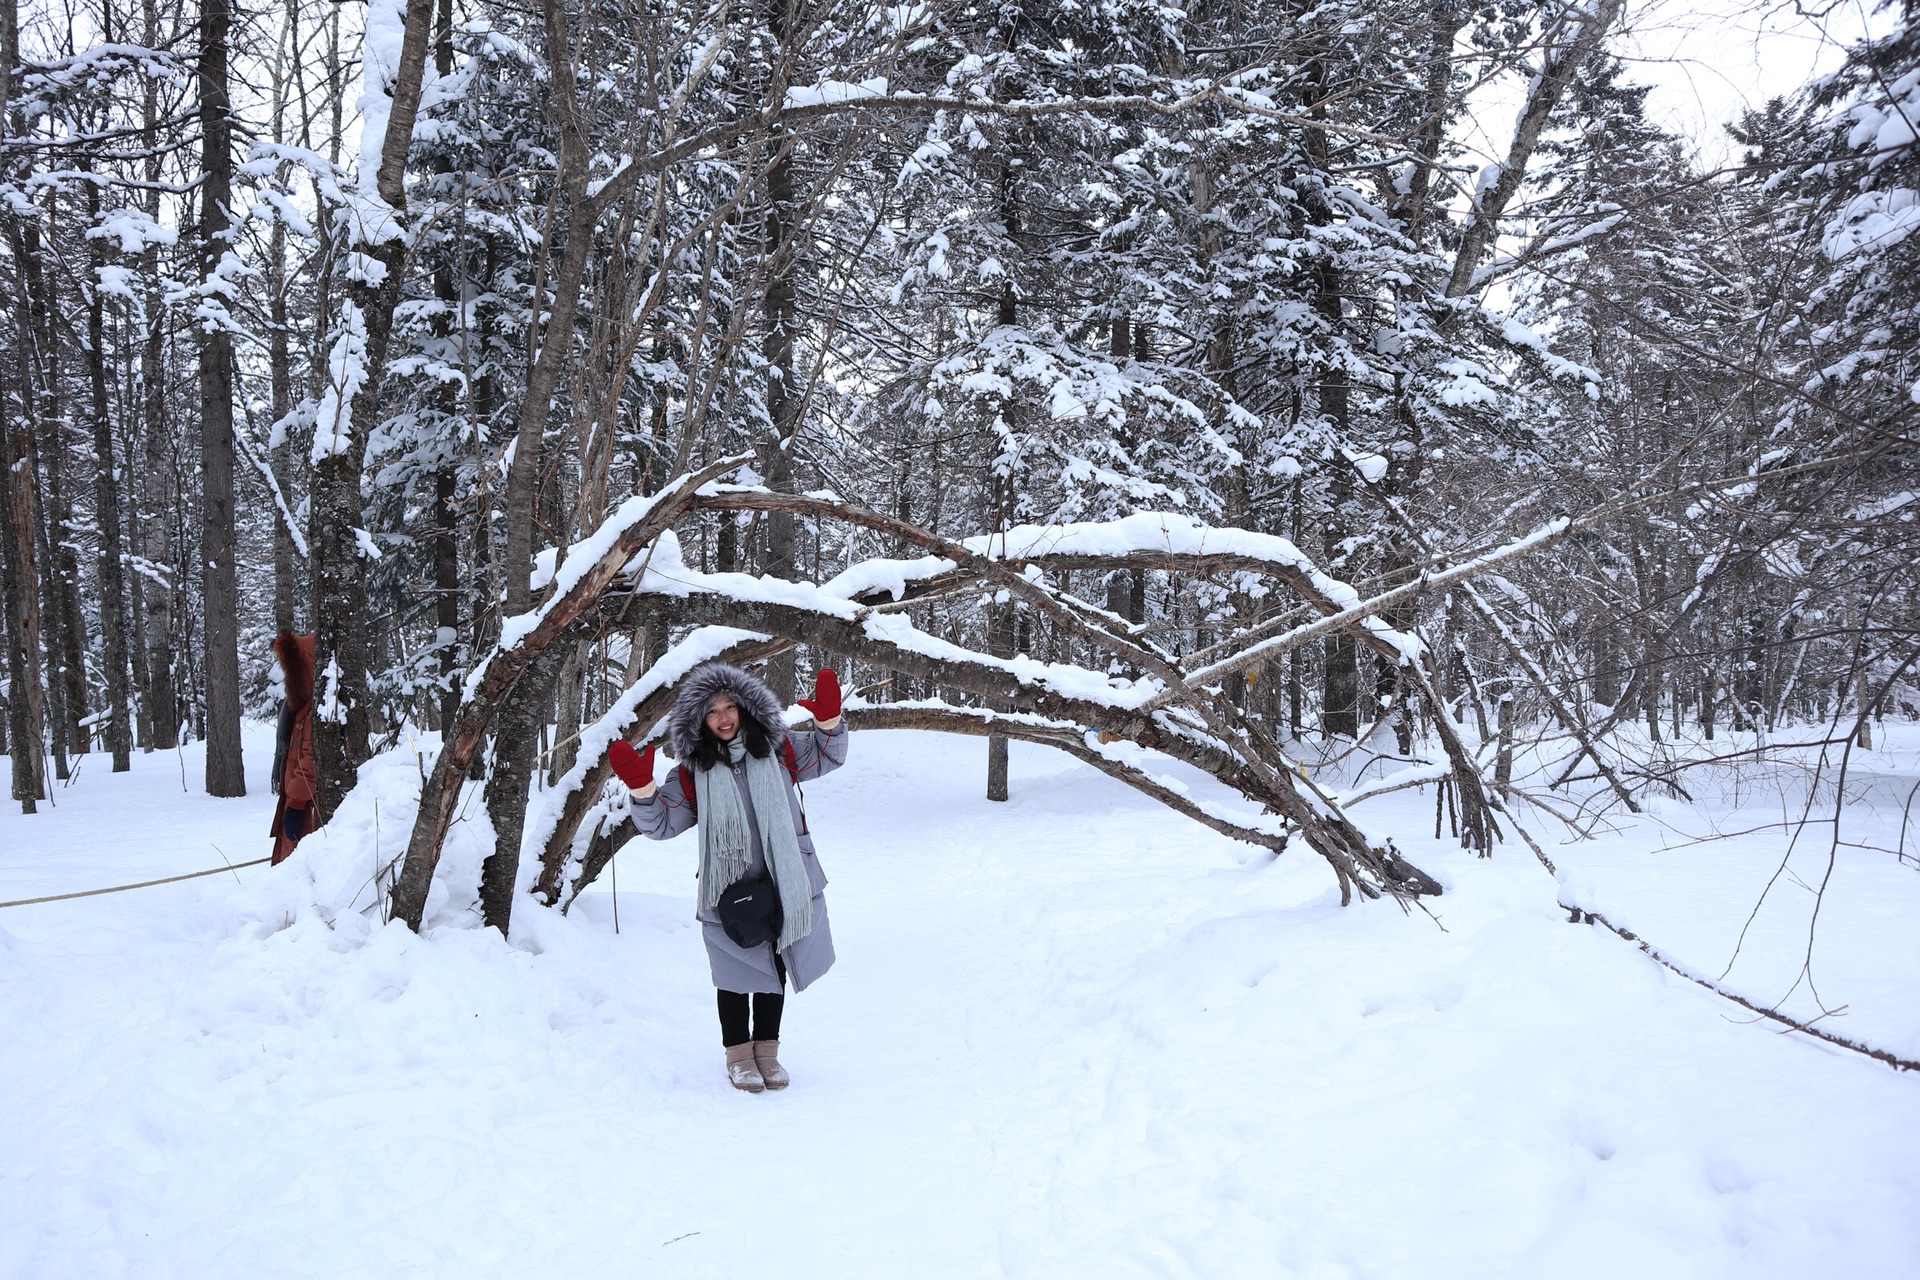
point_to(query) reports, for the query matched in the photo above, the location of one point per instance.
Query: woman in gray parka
(738, 766)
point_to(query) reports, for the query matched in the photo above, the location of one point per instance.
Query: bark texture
(220, 639)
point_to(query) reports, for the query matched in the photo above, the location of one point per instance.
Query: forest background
(354, 318)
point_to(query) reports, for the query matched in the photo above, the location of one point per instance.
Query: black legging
(767, 1006)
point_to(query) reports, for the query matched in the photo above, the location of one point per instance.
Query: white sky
(1706, 61)
(1709, 61)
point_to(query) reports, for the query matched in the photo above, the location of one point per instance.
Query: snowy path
(1070, 1035)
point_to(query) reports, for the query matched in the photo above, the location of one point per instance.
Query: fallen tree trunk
(557, 851)
(1373, 868)
(523, 640)
(1179, 713)
(977, 722)
(1255, 553)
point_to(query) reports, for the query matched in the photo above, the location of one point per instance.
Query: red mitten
(825, 702)
(635, 768)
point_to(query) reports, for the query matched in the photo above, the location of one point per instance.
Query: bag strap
(793, 771)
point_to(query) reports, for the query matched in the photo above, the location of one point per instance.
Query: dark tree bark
(43, 462)
(780, 321)
(156, 594)
(341, 625)
(220, 640)
(509, 781)
(1340, 659)
(161, 704)
(26, 708)
(1412, 208)
(106, 488)
(67, 639)
(280, 374)
(514, 753)
(1000, 645)
(22, 528)
(19, 587)
(446, 520)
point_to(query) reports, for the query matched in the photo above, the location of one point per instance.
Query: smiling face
(723, 717)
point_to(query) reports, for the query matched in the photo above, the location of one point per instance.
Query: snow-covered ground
(1070, 1035)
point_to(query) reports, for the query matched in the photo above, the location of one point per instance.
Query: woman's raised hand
(825, 702)
(635, 768)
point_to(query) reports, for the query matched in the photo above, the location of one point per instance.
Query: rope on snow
(144, 884)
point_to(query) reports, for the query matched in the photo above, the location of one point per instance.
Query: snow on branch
(557, 828)
(1361, 611)
(591, 566)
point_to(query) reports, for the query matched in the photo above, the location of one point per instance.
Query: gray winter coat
(670, 811)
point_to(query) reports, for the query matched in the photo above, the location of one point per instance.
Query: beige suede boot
(741, 1071)
(766, 1057)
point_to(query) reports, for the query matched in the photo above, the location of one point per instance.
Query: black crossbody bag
(749, 910)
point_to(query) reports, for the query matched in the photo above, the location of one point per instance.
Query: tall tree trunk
(156, 596)
(41, 412)
(106, 488)
(1445, 18)
(1340, 666)
(62, 585)
(1000, 616)
(780, 320)
(446, 521)
(226, 774)
(44, 463)
(280, 359)
(26, 707)
(515, 731)
(343, 718)
(279, 446)
(163, 704)
(280, 366)
(1000, 645)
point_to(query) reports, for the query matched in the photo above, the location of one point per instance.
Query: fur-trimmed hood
(750, 693)
(296, 666)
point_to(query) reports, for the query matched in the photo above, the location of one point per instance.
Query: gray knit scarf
(726, 845)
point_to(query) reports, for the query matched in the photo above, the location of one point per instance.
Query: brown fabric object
(297, 778)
